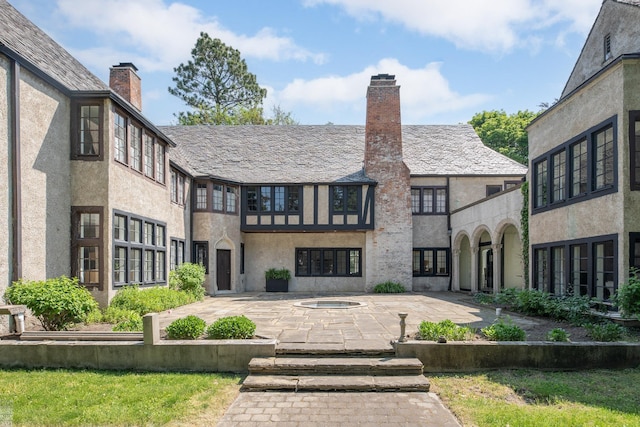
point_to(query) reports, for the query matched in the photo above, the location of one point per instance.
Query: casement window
(149, 151)
(634, 250)
(160, 163)
(345, 262)
(232, 199)
(603, 158)
(578, 153)
(430, 262)
(540, 194)
(584, 267)
(135, 144)
(429, 200)
(634, 149)
(87, 130)
(344, 198)
(270, 199)
(139, 253)
(173, 178)
(580, 169)
(176, 253)
(201, 254)
(86, 245)
(217, 197)
(201, 196)
(558, 176)
(511, 184)
(120, 138)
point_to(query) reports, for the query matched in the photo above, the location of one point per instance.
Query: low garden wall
(485, 355)
(151, 354)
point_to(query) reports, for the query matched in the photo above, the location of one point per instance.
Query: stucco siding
(277, 250)
(430, 231)
(466, 190)
(45, 179)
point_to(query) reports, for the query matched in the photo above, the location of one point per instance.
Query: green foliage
(524, 225)
(606, 332)
(277, 274)
(534, 302)
(628, 295)
(281, 117)
(389, 287)
(58, 303)
(558, 335)
(113, 314)
(186, 328)
(231, 327)
(188, 278)
(484, 299)
(504, 133)
(504, 330)
(507, 298)
(95, 316)
(433, 331)
(217, 84)
(152, 300)
(133, 324)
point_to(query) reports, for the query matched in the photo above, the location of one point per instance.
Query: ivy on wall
(524, 225)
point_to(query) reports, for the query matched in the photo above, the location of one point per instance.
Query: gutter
(15, 194)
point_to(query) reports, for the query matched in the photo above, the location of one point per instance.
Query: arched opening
(485, 263)
(512, 265)
(464, 278)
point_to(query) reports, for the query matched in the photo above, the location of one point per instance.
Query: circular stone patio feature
(330, 304)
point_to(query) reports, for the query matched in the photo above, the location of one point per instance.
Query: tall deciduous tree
(217, 85)
(505, 133)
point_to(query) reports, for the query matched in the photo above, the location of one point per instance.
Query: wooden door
(223, 268)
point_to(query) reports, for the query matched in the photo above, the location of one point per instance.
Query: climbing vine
(524, 225)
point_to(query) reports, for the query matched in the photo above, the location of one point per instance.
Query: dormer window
(607, 47)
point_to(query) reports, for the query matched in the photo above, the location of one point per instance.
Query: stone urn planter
(277, 279)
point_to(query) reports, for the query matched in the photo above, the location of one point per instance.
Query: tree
(505, 133)
(281, 117)
(218, 86)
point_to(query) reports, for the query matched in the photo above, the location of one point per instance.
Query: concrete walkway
(370, 327)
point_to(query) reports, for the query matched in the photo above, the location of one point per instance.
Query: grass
(530, 398)
(74, 398)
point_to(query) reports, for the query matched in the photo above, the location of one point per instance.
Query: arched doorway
(512, 265)
(485, 263)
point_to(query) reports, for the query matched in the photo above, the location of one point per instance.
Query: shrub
(132, 325)
(628, 295)
(58, 303)
(231, 327)
(95, 316)
(113, 314)
(507, 298)
(433, 331)
(152, 300)
(186, 328)
(277, 274)
(606, 332)
(558, 335)
(484, 299)
(503, 330)
(534, 302)
(188, 278)
(389, 287)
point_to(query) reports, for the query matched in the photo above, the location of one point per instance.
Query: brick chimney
(125, 82)
(390, 244)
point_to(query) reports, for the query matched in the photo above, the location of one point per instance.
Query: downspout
(450, 237)
(15, 195)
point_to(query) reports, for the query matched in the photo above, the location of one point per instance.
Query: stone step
(335, 366)
(362, 383)
(80, 336)
(331, 350)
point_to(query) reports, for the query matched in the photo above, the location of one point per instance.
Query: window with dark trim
(160, 167)
(429, 200)
(120, 138)
(430, 262)
(139, 248)
(87, 130)
(135, 144)
(241, 258)
(344, 198)
(511, 184)
(149, 152)
(585, 165)
(177, 187)
(201, 254)
(272, 199)
(217, 197)
(176, 253)
(493, 189)
(86, 245)
(586, 267)
(346, 262)
(634, 149)
(201, 196)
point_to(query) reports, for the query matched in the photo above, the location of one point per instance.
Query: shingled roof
(27, 40)
(327, 153)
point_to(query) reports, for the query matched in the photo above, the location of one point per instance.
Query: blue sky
(452, 58)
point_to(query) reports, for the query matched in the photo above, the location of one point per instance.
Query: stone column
(455, 270)
(474, 269)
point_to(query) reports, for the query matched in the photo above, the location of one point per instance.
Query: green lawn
(534, 398)
(67, 397)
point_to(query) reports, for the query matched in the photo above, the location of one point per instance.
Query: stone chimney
(390, 244)
(125, 82)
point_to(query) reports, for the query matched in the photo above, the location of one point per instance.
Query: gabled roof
(23, 37)
(619, 20)
(327, 153)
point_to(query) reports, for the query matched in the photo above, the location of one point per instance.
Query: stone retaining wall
(474, 356)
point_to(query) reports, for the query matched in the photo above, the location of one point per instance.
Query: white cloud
(484, 25)
(424, 92)
(160, 36)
